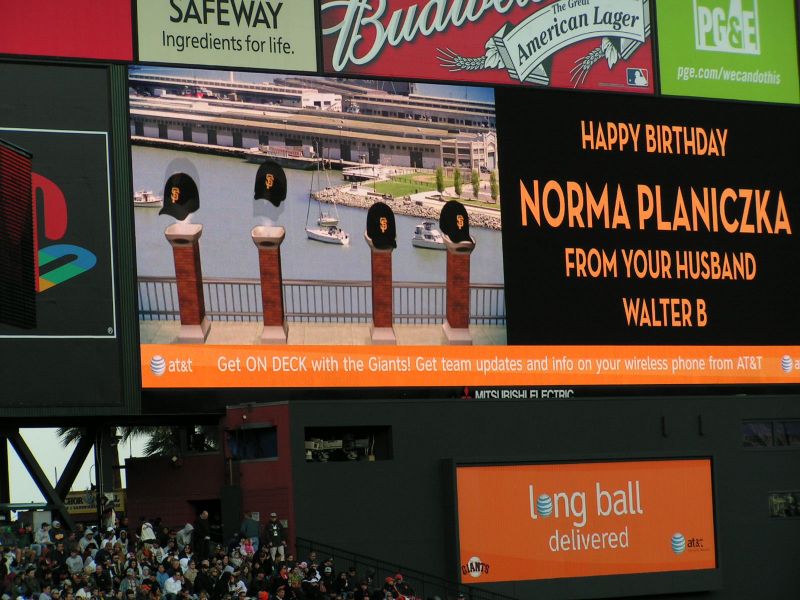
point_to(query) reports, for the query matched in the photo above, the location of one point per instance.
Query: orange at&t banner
(546, 521)
(209, 366)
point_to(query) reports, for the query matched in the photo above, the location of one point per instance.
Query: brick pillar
(382, 295)
(268, 241)
(184, 239)
(456, 325)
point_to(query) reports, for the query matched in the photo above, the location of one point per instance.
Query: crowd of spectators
(153, 562)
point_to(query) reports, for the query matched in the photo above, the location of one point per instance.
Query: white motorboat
(427, 235)
(329, 235)
(147, 198)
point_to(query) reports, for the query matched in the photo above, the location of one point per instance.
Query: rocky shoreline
(403, 206)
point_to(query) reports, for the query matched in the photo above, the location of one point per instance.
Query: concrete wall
(157, 488)
(266, 484)
(401, 510)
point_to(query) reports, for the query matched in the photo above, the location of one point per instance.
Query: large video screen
(526, 522)
(344, 147)
(634, 244)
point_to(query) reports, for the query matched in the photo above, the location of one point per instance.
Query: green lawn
(405, 185)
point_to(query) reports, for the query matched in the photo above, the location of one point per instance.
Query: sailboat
(327, 228)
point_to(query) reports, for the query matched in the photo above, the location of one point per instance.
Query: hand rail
(425, 585)
(315, 301)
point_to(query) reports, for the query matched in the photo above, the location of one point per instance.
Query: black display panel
(652, 237)
(68, 358)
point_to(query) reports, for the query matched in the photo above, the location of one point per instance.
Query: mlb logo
(637, 77)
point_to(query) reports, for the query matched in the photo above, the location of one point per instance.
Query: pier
(338, 136)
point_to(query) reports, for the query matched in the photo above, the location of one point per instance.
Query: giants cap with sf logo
(270, 184)
(454, 222)
(181, 197)
(381, 228)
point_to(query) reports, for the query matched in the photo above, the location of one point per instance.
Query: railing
(423, 584)
(319, 301)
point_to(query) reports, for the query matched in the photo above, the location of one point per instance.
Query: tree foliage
(161, 440)
(439, 180)
(494, 187)
(457, 183)
(476, 183)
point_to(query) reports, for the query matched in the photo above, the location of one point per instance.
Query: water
(226, 213)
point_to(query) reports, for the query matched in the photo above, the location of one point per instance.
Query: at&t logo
(681, 544)
(788, 364)
(158, 365)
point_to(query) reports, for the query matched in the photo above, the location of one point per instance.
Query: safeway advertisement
(528, 522)
(585, 44)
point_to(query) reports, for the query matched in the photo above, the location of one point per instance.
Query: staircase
(425, 585)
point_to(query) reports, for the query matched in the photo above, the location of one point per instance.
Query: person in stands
(147, 569)
(275, 538)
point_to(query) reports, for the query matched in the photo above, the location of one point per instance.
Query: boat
(327, 229)
(146, 198)
(329, 235)
(427, 235)
(302, 157)
(327, 220)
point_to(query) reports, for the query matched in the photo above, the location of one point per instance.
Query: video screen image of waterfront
(343, 145)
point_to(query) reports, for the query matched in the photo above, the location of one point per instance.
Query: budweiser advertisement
(586, 44)
(525, 522)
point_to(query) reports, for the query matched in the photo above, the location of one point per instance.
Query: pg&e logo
(727, 26)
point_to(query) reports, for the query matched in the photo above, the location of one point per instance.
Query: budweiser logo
(516, 36)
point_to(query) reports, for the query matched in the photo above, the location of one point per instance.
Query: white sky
(53, 457)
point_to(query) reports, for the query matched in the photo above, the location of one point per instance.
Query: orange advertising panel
(253, 366)
(528, 522)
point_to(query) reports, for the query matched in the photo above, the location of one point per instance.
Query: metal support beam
(5, 485)
(39, 478)
(98, 475)
(74, 465)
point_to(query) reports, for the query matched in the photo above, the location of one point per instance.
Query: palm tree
(161, 441)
